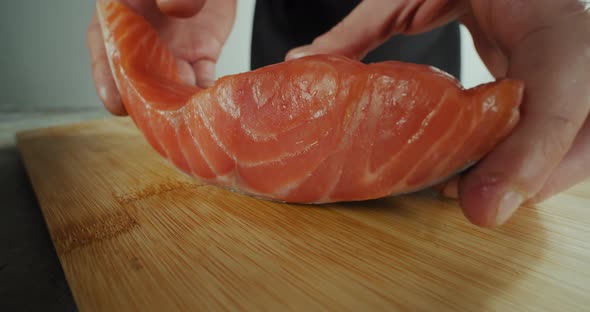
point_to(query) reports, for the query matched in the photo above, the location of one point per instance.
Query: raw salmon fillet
(313, 130)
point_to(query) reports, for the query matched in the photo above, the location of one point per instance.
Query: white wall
(235, 56)
(44, 63)
(473, 71)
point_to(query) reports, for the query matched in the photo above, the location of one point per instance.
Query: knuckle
(562, 130)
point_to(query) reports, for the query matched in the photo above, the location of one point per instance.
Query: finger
(554, 109)
(497, 64)
(180, 8)
(186, 72)
(572, 170)
(451, 188)
(374, 21)
(203, 38)
(104, 83)
(204, 72)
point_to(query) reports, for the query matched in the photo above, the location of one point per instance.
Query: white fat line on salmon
(118, 16)
(140, 44)
(326, 81)
(280, 158)
(361, 103)
(266, 137)
(355, 119)
(165, 85)
(283, 157)
(172, 117)
(440, 168)
(129, 32)
(195, 140)
(257, 136)
(287, 188)
(377, 106)
(209, 128)
(328, 194)
(433, 147)
(182, 122)
(162, 59)
(262, 97)
(147, 109)
(399, 125)
(110, 48)
(426, 120)
(302, 149)
(432, 182)
(226, 102)
(372, 176)
(260, 136)
(150, 112)
(401, 122)
(169, 115)
(152, 52)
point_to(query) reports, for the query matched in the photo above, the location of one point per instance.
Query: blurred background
(45, 65)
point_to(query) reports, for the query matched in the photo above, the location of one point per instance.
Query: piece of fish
(313, 130)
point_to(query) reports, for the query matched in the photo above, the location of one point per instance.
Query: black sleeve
(280, 25)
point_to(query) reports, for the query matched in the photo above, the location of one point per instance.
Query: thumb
(372, 22)
(555, 107)
(180, 8)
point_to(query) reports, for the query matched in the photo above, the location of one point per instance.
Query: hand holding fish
(545, 43)
(195, 30)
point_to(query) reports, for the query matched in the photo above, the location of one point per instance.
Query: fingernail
(298, 52)
(508, 205)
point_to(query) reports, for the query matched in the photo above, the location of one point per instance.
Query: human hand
(194, 30)
(546, 44)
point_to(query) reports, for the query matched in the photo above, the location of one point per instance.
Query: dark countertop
(31, 277)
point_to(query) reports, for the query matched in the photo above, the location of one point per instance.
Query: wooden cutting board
(132, 233)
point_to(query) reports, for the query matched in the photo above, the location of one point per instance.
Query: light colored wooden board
(132, 233)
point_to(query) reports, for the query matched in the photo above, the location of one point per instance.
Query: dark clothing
(280, 25)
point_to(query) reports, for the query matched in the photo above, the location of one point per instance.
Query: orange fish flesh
(318, 129)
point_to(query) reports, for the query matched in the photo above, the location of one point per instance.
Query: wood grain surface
(132, 233)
